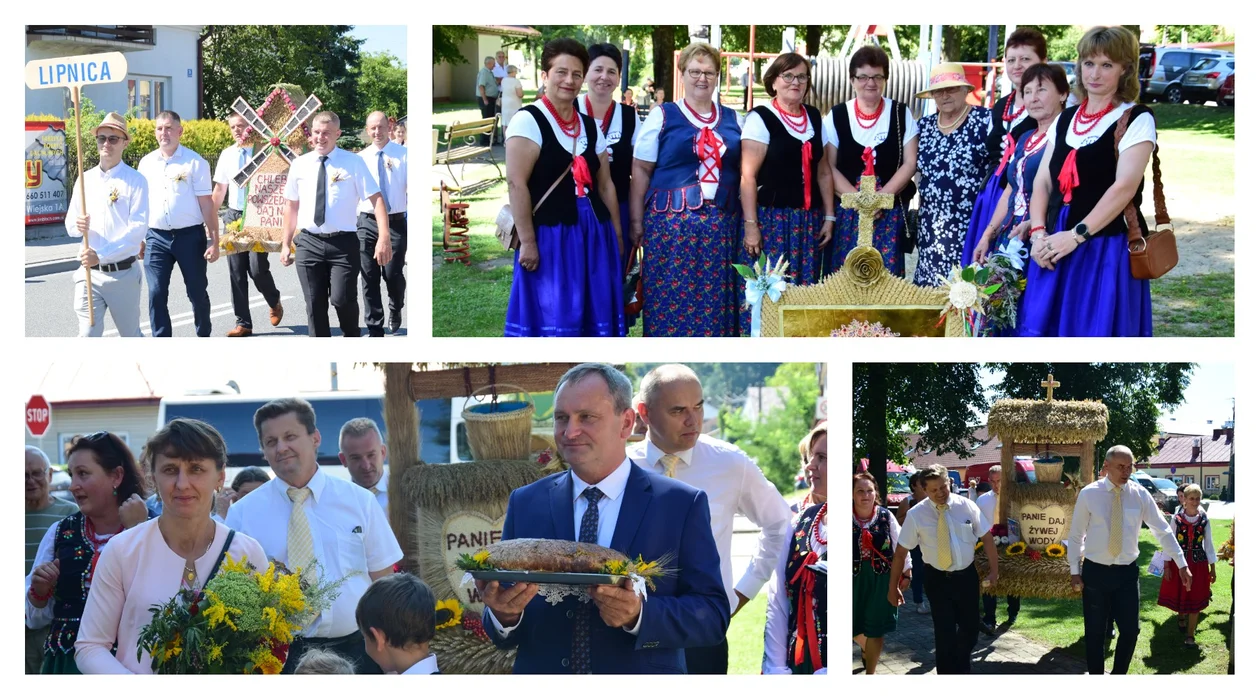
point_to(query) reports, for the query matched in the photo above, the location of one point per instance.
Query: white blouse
(647, 144)
(755, 129)
(774, 660)
(874, 136)
(1140, 129)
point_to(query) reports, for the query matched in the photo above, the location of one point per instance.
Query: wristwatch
(1083, 231)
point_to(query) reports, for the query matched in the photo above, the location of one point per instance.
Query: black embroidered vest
(554, 158)
(993, 142)
(74, 550)
(781, 179)
(1096, 167)
(881, 539)
(796, 560)
(1190, 537)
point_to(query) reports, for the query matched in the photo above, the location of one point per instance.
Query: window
(1212, 482)
(1205, 64)
(1189, 479)
(149, 94)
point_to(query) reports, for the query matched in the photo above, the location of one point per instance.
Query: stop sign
(38, 416)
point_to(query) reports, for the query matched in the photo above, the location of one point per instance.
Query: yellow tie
(943, 556)
(671, 464)
(375, 491)
(301, 546)
(1117, 525)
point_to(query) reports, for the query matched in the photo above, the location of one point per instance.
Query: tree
(1134, 393)
(246, 60)
(772, 440)
(383, 84)
(446, 41)
(939, 401)
(1195, 33)
(813, 39)
(724, 383)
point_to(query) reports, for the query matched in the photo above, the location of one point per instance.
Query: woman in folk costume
(684, 207)
(785, 182)
(1194, 534)
(875, 532)
(881, 130)
(617, 123)
(106, 484)
(1081, 284)
(567, 280)
(1044, 88)
(952, 164)
(1025, 47)
(796, 617)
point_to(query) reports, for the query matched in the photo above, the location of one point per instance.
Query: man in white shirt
(987, 502)
(317, 523)
(324, 188)
(116, 221)
(606, 499)
(945, 527)
(363, 454)
(183, 229)
(242, 267)
(1105, 526)
(671, 403)
(387, 162)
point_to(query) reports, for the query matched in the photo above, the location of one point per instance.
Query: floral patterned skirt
(888, 231)
(690, 286)
(790, 233)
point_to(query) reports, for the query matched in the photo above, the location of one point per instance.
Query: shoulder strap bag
(505, 222)
(1152, 256)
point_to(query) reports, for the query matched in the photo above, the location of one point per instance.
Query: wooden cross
(1049, 385)
(866, 201)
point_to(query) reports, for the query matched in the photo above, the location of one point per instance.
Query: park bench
(463, 145)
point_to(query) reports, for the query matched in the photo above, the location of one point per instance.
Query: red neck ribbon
(581, 174)
(1006, 153)
(708, 147)
(806, 629)
(868, 161)
(1068, 177)
(807, 158)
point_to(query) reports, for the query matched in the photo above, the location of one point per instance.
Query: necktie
(670, 463)
(380, 175)
(944, 558)
(582, 617)
(240, 191)
(301, 546)
(1117, 524)
(321, 193)
(374, 490)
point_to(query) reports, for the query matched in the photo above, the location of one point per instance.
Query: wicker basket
(1049, 469)
(499, 430)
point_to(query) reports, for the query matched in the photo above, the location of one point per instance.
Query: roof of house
(1180, 450)
(984, 451)
(506, 30)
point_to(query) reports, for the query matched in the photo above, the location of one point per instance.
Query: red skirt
(1175, 597)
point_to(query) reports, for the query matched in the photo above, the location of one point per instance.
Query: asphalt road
(50, 312)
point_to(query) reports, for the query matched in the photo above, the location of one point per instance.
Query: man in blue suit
(607, 499)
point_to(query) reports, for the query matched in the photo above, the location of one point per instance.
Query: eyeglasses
(790, 78)
(100, 140)
(697, 74)
(864, 79)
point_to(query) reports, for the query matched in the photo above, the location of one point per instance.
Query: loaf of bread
(530, 554)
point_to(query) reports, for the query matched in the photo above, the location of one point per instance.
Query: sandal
(1191, 643)
(1182, 622)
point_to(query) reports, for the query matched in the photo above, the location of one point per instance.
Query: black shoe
(988, 627)
(1010, 620)
(395, 321)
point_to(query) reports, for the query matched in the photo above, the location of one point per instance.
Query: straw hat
(113, 120)
(945, 75)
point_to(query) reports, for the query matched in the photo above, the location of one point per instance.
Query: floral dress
(951, 174)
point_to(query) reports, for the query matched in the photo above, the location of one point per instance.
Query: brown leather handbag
(1153, 255)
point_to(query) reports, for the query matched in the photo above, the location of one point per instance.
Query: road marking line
(188, 320)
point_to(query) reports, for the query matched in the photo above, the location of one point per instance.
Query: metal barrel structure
(832, 85)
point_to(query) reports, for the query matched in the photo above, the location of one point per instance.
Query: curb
(50, 267)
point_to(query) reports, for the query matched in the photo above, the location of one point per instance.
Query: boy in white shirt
(397, 618)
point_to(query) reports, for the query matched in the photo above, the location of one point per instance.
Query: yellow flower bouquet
(241, 622)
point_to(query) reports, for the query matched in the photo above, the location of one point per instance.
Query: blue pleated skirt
(1089, 293)
(690, 286)
(981, 214)
(789, 233)
(576, 290)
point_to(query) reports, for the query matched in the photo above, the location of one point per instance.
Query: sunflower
(1056, 550)
(1015, 549)
(452, 615)
(979, 545)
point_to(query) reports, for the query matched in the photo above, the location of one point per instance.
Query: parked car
(1162, 68)
(1202, 82)
(1069, 67)
(1225, 95)
(898, 488)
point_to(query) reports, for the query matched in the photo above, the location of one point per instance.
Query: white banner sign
(71, 71)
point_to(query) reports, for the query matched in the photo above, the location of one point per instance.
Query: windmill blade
(247, 172)
(288, 155)
(308, 108)
(241, 107)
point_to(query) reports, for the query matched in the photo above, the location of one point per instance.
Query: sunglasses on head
(112, 139)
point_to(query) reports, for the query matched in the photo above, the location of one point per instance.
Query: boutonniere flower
(391, 163)
(339, 175)
(180, 176)
(113, 195)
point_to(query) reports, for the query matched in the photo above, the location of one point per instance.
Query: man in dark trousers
(1105, 526)
(387, 162)
(945, 528)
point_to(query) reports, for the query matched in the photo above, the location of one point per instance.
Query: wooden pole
(1003, 510)
(752, 48)
(78, 142)
(1087, 462)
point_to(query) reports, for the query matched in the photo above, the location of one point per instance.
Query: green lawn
(1197, 119)
(1194, 306)
(746, 637)
(1059, 623)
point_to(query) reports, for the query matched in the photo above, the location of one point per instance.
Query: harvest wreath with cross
(865, 299)
(277, 132)
(1032, 520)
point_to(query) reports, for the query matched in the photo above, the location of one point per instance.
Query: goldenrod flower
(216, 652)
(265, 662)
(615, 567)
(218, 612)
